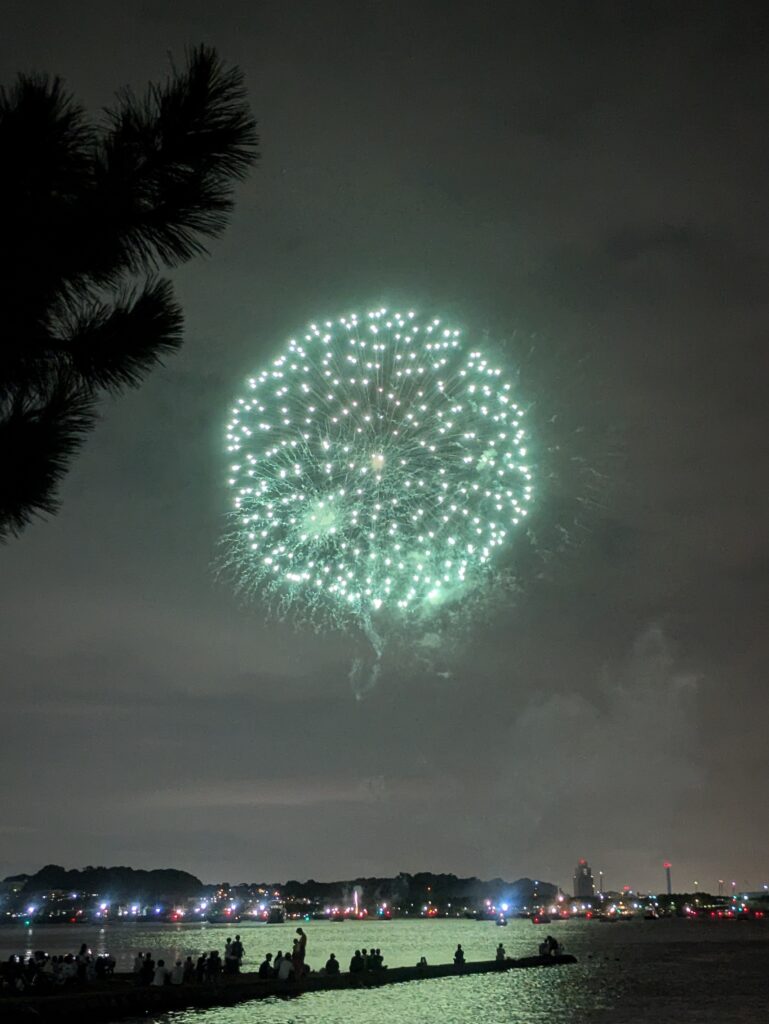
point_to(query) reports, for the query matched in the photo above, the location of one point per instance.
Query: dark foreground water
(663, 972)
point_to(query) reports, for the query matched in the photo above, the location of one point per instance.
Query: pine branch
(40, 432)
(46, 134)
(81, 212)
(170, 160)
(45, 176)
(115, 346)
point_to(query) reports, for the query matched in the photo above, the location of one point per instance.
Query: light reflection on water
(666, 972)
(488, 999)
(638, 989)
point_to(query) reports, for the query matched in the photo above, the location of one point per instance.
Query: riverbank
(119, 997)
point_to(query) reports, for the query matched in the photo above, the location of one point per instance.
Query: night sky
(592, 176)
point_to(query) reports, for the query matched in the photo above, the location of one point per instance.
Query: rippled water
(666, 972)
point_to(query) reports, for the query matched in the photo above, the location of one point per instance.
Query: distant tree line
(116, 882)
(406, 888)
(403, 889)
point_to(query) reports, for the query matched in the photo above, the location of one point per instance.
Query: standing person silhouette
(300, 951)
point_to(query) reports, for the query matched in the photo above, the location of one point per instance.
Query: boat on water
(540, 919)
(502, 921)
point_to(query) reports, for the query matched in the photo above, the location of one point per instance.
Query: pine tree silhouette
(90, 214)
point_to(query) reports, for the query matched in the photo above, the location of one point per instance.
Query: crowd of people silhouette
(42, 972)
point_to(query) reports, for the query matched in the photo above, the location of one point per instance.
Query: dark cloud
(586, 181)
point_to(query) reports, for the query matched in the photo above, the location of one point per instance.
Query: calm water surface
(665, 972)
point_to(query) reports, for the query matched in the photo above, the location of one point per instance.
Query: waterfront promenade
(119, 997)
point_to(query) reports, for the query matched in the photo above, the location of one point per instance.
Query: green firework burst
(377, 463)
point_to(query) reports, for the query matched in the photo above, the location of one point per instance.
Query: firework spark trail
(378, 465)
(363, 685)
